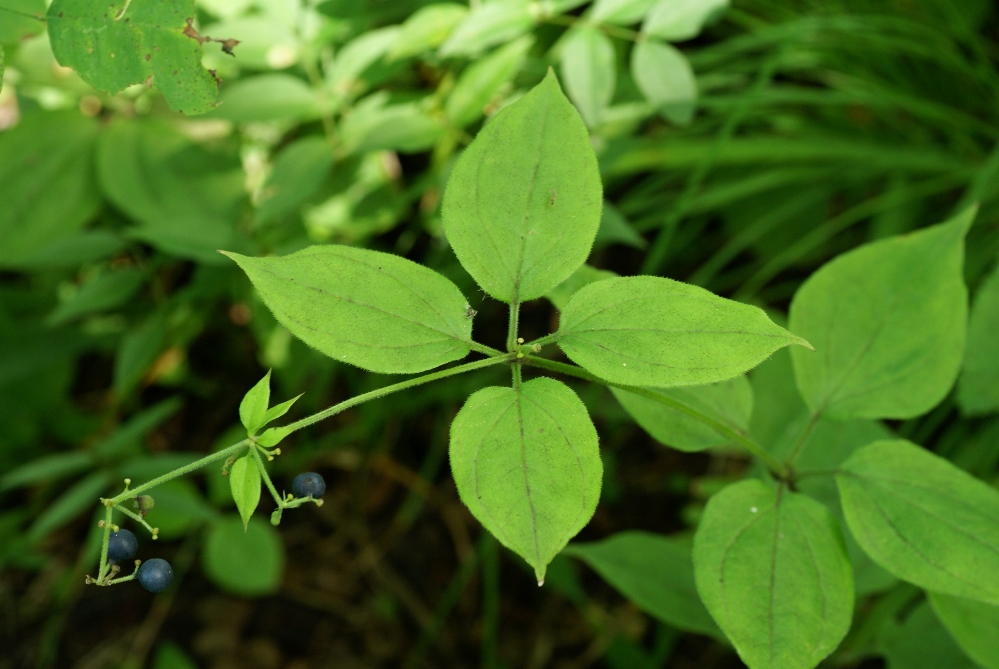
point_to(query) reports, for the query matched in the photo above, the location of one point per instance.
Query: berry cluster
(154, 575)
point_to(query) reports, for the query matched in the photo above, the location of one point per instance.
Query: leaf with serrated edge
(772, 569)
(375, 310)
(522, 206)
(923, 519)
(652, 331)
(244, 483)
(527, 465)
(254, 404)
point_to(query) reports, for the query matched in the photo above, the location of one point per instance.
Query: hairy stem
(186, 469)
(267, 477)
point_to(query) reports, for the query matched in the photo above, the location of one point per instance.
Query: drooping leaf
(488, 24)
(522, 206)
(56, 196)
(653, 331)
(973, 625)
(654, 571)
(248, 562)
(426, 29)
(665, 78)
(772, 569)
(299, 171)
(527, 464)
(887, 321)
(19, 19)
(244, 483)
(253, 407)
(620, 12)
(677, 20)
(115, 44)
(923, 519)
(374, 310)
(729, 402)
(484, 79)
(584, 276)
(978, 387)
(589, 70)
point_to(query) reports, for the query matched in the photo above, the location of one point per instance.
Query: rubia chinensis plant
(772, 560)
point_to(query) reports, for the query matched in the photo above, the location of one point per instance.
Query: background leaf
(527, 465)
(973, 625)
(589, 71)
(621, 12)
(522, 205)
(665, 78)
(248, 563)
(488, 24)
(978, 386)
(483, 80)
(677, 20)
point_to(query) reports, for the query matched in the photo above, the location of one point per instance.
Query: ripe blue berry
(122, 546)
(155, 575)
(309, 484)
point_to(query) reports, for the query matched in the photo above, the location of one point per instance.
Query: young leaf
(729, 402)
(522, 205)
(978, 387)
(923, 519)
(652, 331)
(588, 70)
(115, 44)
(973, 625)
(677, 20)
(527, 465)
(888, 322)
(279, 410)
(620, 12)
(374, 310)
(773, 571)
(654, 571)
(665, 78)
(244, 483)
(484, 79)
(254, 405)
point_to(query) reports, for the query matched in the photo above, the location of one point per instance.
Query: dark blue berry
(155, 575)
(122, 546)
(309, 484)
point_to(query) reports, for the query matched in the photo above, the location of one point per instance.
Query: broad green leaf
(268, 97)
(527, 464)
(115, 44)
(46, 468)
(772, 569)
(584, 276)
(923, 519)
(652, 331)
(374, 125)
(973, 625)
(978, 387)
(254, 405)
(356, 56)
(426, 29)
(244, 483)
(84, 494)
(677, 20)
(185, 198)
(730, 402)
(522, 206)
(588, 70)
(108, 290)
(19, 19)
(483, 80)
(374, 310)
(620, 12)
(665, 78)
(246, 562)
(920, 642)
(656, 572)
(299, 171)
(887, 321)
(56, 197)
(488, 24)
(615, 229)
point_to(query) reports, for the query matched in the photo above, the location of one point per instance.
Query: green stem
(803, 436)
(266, 477)
(104, 545)
(186, 469)
(485, 350)
(136, 517)
(402, 385)
(547, 339)
(511, 333)
(779, 469)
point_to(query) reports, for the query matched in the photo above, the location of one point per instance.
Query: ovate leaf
(923, 519)
(652, 331)
(676, 20)
(665, 78)
(246, 561)
(244, 483)
(729, 402)
(117, 43)
(974, 625)
(887, 321)
(522, 205)
(773, 571)
(374, 310)
(978, 387)
(484, 79)
(527, 464)
(654, 571)
(254, 405)
(588, 70)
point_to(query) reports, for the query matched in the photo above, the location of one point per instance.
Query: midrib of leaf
(364, 344)
(728, 548)
(523, 463)
(773, 571)
(645, 361)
